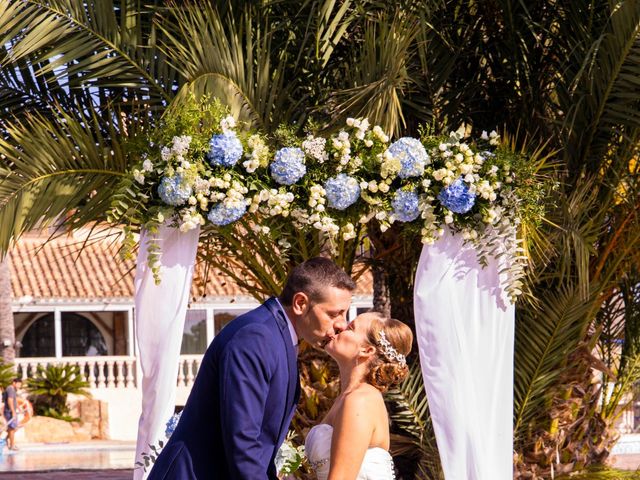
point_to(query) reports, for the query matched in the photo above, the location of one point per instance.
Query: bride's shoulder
(364, 396)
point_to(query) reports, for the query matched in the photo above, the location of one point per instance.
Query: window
(222, 317)
(194, 337)
(80, 337)
(39, 339)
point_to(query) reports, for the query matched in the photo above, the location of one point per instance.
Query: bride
(352, 442)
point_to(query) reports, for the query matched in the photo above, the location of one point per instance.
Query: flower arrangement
(289, 458)
(149, 458)
(199, 169)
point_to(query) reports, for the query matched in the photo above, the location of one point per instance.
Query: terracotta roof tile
(55, 270)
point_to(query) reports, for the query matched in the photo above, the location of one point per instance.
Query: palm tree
(560, 76)
(7, 328)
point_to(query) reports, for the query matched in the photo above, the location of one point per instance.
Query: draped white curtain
(160, 315)
(465, 328)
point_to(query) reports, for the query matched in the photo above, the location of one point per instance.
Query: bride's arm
(352, 431)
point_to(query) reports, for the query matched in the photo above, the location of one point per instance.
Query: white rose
(147, 165)
(138, 176)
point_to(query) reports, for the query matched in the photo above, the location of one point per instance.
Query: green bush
(7, 374)
(50, 386)
(602, 473)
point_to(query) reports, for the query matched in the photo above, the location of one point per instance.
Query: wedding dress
(376, 465)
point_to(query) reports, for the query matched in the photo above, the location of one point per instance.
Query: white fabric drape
(465, 328)
(160, 316)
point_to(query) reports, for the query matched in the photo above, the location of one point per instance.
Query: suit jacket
(241, 403)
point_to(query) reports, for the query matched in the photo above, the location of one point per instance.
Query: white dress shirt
(292, 330)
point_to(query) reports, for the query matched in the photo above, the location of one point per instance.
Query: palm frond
(52, 169)
(259, 257)
(379, 77)
(230, 59)
(599, 88)
(62, 51)
(334, 20)
(544, 340)
(619, 319)
(412, 430)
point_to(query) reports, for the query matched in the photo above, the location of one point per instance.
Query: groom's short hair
(312, 277)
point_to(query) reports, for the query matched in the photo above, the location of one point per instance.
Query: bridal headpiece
(389, 352)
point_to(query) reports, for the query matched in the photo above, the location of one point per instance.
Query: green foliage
(413, 440)
(600, 473)
(7, 374)
(150, 457)
(50, 386)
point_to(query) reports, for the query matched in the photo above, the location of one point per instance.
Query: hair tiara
(389, 352)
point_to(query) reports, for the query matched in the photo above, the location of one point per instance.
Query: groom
(244, 396)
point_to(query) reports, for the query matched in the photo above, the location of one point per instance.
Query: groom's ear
(300, 303)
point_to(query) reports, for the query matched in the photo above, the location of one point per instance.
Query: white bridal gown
(376, 465)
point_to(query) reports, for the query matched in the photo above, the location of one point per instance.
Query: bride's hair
(393, 340)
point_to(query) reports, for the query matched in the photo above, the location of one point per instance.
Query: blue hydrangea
(172, 424)
(225, 150)
(342, 191)
(412, 155)
(172, 191)
(222, 214)
(405, 205)
(288, 166)
(457, 197)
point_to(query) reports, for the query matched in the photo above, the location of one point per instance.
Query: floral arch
(201, 171)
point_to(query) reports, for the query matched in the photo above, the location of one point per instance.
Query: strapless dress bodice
(376, 465)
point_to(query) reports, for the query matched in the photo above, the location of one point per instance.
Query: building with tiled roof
(75, 297)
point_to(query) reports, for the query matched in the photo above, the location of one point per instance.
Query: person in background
(10, 401)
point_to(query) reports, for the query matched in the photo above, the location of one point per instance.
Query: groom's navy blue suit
(241, 404)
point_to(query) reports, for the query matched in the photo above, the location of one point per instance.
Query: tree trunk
(395, 259)
(7, 328)
(381, 298)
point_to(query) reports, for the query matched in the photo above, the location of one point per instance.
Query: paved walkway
(71, 475)
(112, 460)
(627, 462)
(94, 455)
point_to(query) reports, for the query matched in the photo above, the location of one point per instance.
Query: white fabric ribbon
(465, 335)
(160, 316)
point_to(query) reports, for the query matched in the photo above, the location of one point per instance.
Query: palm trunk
(395, 260)
(7, 329)
(381, 297)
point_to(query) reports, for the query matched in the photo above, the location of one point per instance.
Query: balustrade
(109, 371)
(187, 369)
